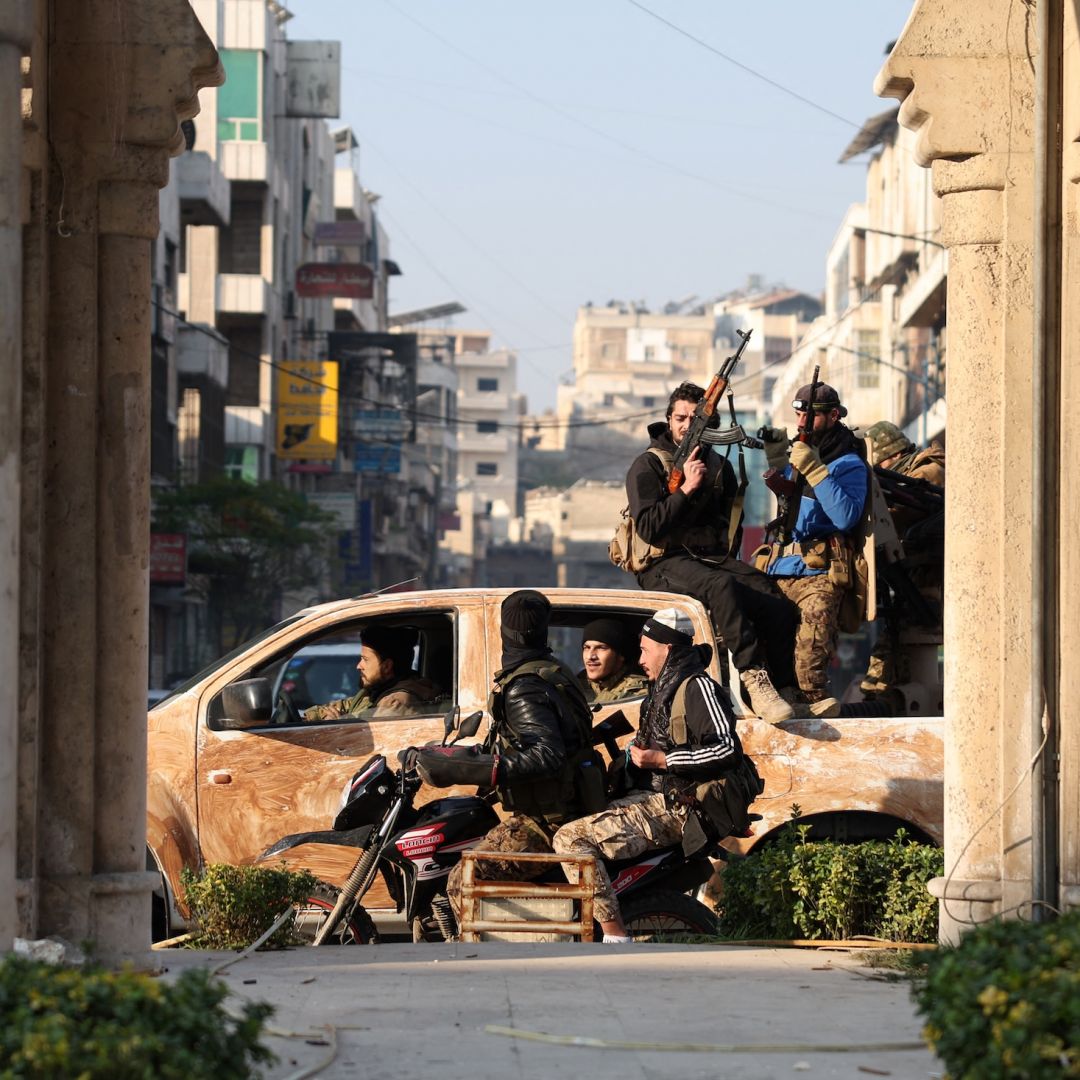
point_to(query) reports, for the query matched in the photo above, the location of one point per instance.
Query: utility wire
(530, 428)
(743, 67)
(628, 147)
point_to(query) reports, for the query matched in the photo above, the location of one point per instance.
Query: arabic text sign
(353, 280)
(307, 410)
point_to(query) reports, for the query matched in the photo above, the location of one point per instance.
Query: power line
(531, 427)
(628, 147)
(744, 67)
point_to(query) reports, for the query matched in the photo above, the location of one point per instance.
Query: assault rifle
(791, 501)
(704, 415)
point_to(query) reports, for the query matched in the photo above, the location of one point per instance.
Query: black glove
(447, 766)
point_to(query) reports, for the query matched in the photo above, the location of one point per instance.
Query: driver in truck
(388, 684)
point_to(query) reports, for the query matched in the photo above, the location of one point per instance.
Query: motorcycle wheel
(358, 929)
(664, 915)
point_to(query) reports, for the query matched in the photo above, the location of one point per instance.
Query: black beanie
(615, 633)
(525, 616)
(392, 642)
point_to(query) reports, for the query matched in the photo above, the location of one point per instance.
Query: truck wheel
(357, 929)
(662, 914)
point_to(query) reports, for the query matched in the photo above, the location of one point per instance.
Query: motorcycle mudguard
(356, 838)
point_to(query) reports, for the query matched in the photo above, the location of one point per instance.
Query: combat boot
(805, 709)
(764, 699)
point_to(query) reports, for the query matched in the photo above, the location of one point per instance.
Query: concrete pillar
(966, 82)
(110, 141)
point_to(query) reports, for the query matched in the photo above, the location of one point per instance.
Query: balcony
(494, 445)
(487, 360)
(246, 425)
(349, 201)
(244, 161)
(242, 294)
(201, 352)
(487, 402)
(203, 190)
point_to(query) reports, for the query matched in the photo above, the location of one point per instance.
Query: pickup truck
(223, 788)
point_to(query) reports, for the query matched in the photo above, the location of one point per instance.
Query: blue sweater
(836, 506)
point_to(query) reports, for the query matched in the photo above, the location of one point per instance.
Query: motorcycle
(415, 848)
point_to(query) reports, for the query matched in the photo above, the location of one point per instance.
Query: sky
(531, 158)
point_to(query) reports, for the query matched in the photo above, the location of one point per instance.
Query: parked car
(320, 673)
(228, 775)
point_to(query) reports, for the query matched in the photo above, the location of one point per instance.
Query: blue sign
(374, 458)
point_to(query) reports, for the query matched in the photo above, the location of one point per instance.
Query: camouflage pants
(818, 600)
(516, 833)
(629, 826)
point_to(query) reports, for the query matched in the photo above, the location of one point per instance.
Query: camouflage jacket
(400, 697)
(616, 688)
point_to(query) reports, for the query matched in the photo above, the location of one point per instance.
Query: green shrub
(234, 905)
(1005, 1002)
(798, 888)
(90, 1023)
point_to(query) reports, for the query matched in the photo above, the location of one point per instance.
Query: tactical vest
(578, 788)
(724, 803)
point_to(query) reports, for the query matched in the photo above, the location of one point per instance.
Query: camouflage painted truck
(222, 788)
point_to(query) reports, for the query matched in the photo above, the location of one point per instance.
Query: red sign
(336, 279)
(168, 559)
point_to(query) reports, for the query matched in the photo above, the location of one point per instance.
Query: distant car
(320, 673)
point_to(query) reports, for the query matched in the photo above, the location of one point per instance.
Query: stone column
(14, 40)
(964, 75)
(123, 75)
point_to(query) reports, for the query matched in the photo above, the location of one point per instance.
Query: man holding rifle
(696, 554)
(822, 495)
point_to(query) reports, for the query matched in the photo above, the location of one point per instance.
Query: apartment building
(626, 362)
(489, 412)
(882, 336)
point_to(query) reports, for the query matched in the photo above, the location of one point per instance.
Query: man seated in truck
(814, 568)
(388, 684)
(698, 558)
(609, 650)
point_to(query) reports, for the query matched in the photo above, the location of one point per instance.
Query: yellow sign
(307, 410)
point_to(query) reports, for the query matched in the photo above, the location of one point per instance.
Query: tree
(249, 543)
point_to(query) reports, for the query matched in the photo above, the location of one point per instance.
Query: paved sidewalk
(403, 1011)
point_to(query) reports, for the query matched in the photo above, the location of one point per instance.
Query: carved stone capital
(152, 58)
(964, 74)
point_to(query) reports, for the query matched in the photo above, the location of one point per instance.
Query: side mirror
(449, 721)
(245, 704)
(470, 725)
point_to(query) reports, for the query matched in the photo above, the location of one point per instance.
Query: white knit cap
(669, 626)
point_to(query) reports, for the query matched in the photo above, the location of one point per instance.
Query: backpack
(627, 550)
(722, 805)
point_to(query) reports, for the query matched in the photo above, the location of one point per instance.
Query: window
(239, 100)
(648, 402)
(487, 385)
(688, 354)
(565, 638)
(869, 366)
(609, 400)
(487, 468)
(320, 669)
(242, 463)
(650, 353)
(487, 427)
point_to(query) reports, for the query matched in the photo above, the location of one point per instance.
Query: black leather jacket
(533, 741)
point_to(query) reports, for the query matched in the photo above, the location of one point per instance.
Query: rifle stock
(703, 414)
